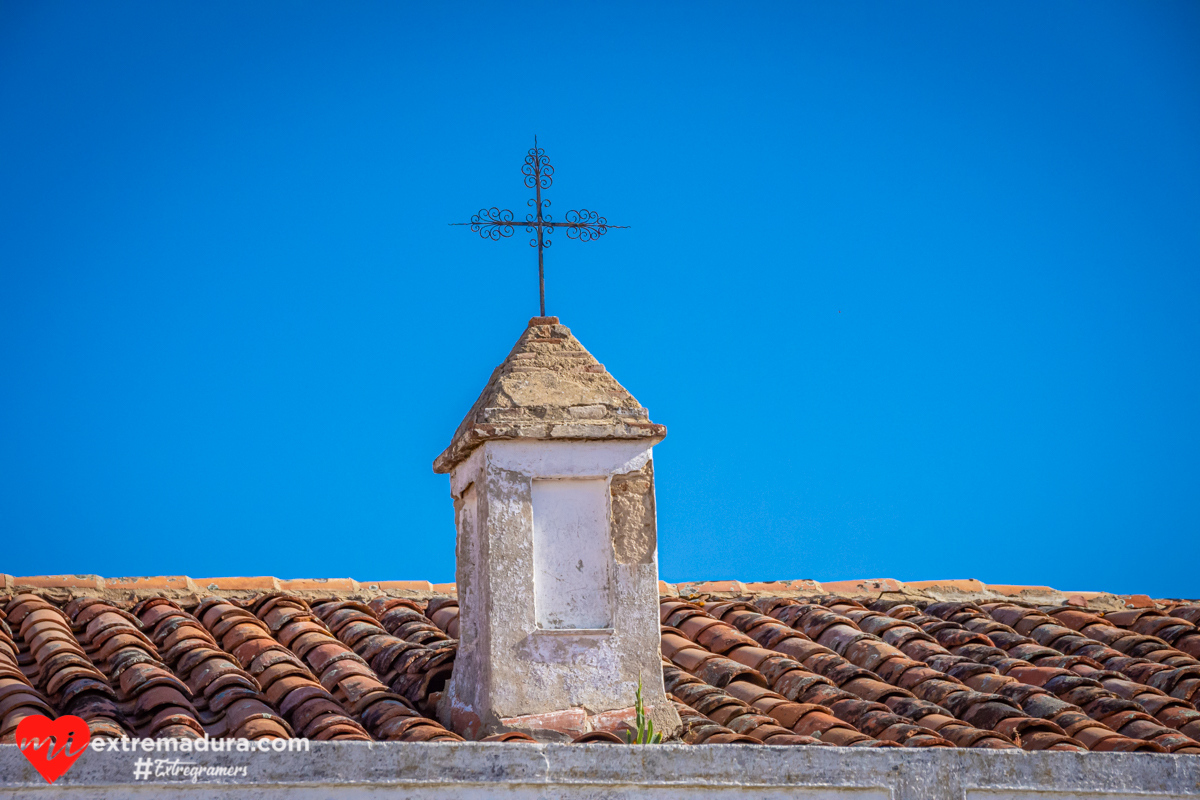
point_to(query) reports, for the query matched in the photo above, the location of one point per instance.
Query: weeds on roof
(644, 732)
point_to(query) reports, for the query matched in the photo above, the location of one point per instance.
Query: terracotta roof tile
(60, 582)
(182, 587)
(929, 663)
(968, 585)
(874, 586)
(1083, 685)
(709, 587)
(789, 681)
(408, 586)
(152, 583)
(266, 583)
(319, 585)
(773, 587)
(228, 701)
(1019, 591)
(19, 698)
(407, 652)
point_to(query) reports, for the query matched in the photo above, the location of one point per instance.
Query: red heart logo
(52, 745)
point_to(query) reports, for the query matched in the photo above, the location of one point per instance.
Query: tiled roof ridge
(549, 387)
(961, 590)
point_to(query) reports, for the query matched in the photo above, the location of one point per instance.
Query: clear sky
(913, 286)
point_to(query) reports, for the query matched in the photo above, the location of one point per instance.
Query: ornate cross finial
(495, 223)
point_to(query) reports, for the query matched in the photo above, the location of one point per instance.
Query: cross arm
(568, 225)
(584, 225)
(491, 223)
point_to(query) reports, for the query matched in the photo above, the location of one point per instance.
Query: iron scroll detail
(586, 226)
(493, 223)
(538, 172)
(496, 223)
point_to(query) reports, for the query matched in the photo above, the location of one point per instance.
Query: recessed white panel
(572, 555)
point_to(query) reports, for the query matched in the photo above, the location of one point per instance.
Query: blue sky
(913, 287)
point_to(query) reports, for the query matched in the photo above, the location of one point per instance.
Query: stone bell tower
(552, 477)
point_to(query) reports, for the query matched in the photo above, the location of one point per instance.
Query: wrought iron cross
(495, 223)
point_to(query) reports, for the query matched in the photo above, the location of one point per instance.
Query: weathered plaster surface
(635, 540)
(616, 772)
(510, 663)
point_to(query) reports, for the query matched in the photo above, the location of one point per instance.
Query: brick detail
(155, 582)
(771, 587)
(236, 584)
(1016, 591)
(405, 586)
(319, 584)
(959, 585)
(572, 722)
(613, 721)
(60, 581)
(713, 587)
(871, 586)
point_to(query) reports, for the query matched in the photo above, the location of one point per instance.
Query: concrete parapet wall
(473, 770)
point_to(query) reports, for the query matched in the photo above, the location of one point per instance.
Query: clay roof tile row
(177, 586)
(812, 668)
(19, 698)
(854, 693)
(227, 700)
(1083, 689)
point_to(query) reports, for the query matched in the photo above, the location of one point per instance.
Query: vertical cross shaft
(537, 181)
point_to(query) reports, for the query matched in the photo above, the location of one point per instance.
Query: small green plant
(644, 733)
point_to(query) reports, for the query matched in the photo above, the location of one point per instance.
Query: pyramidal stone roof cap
(549, 387)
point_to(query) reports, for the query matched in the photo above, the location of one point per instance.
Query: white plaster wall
(469, 686)
(569, 459)
(516, 666)
(572, 553)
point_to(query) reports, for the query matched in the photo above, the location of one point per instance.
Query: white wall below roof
(615, 772)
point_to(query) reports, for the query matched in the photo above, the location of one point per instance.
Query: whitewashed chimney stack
(552, 476)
